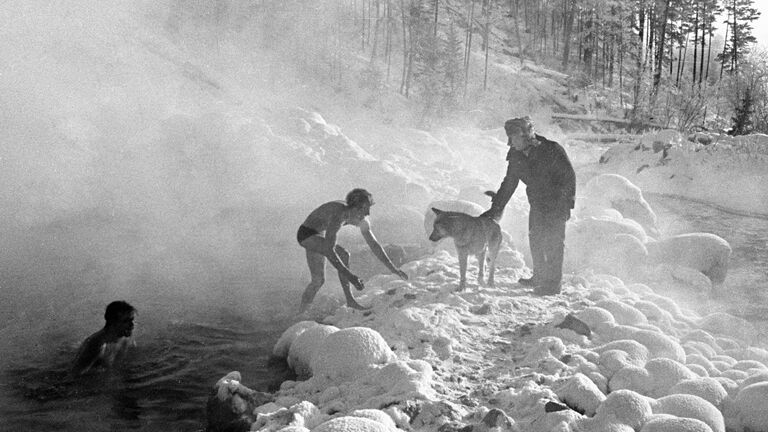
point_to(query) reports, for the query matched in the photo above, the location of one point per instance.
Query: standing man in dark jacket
(547, 172)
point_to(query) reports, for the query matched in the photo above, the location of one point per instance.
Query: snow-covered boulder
(623, 407)
(352, 424)
(654, 379)
(706, 388)
(752, 405)
(623, 313)
(350, 352)
(690, 406)
(593, 316)
(283, 344)
(670, 423)
(707, 253)
(581, 394)
(304, 347)
(615, 191)
(230, 405)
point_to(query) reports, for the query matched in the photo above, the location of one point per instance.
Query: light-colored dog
(473, 235)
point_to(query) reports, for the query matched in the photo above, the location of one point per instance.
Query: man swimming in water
(110, 344)
(328, 219)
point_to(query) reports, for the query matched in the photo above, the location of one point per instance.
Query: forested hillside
(679, 64)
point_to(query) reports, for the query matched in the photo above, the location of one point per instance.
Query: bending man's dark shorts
(305, 233)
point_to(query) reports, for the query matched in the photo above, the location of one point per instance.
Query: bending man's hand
(400, 273)
(355, 281)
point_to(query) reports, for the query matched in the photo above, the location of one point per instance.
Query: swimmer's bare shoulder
(324, 215)
(96, 351)
(89, 353)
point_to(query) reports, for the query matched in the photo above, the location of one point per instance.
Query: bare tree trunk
(468, 48)
(703, 43)
(375, 34)
(725, 45)
(660, 52)
(388, 38)
(734, 62)
(621, 69)
(695, 43)
(405, 50)
(567, 31)
(362, 29)
(517, 33)
(709, 50)
(681, 62)
(639, 63)
(588, 44)
(487, 42)
(437, 5)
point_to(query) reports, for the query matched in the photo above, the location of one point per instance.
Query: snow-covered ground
(445, 359)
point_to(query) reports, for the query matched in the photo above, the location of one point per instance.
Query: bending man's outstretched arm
(365, 229)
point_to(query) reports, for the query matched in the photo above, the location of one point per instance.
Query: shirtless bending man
(328, 219)
(110, 344)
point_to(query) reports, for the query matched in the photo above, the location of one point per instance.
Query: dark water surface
(163, 386)
(747, 280)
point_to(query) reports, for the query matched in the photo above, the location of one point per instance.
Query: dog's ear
(437, 211)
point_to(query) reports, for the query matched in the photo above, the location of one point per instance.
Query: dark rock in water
(231, 404)
(572, 323)
(497, 418)
(554, 407)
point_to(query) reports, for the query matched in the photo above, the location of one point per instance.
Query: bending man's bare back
(318, 236)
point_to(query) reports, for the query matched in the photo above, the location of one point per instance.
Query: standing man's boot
(547, 288)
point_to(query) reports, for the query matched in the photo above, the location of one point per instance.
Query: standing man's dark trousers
(546, 235)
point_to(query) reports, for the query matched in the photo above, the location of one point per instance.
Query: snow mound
(349, 353)
(304, 347)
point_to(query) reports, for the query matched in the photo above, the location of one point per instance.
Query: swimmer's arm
(90, 351)
(125, 345)
(365, 229)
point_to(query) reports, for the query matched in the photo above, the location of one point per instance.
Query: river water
(163, 387)
(747, 281)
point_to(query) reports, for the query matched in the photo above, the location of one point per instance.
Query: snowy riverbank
(429, 358)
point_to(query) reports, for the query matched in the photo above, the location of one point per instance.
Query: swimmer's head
(120, 314)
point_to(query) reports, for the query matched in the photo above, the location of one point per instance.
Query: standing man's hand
(492, 213)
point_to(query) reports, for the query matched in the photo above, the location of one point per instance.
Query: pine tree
(742, 122)
(741, 14)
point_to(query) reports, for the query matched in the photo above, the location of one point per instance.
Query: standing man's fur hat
(519, 126)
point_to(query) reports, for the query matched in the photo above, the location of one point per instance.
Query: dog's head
(440, 229)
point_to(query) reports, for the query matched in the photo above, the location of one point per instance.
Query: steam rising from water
(125, 172)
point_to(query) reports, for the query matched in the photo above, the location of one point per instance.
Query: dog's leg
(481, 268)
(493, 251)
(462, 268)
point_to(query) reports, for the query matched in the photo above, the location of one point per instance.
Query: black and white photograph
(384, 216)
